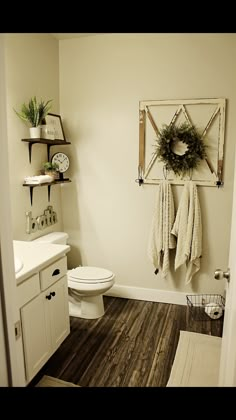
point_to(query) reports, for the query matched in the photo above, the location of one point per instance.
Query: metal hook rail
(142, 181)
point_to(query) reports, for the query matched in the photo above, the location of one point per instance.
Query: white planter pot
(35, 132)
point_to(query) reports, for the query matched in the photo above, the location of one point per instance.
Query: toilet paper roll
(213, 310)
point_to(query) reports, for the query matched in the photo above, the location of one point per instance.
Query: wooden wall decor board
(206, 115)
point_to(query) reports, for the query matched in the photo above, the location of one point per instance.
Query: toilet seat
(88, 274)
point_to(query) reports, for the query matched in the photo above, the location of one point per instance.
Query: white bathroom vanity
(42, 299)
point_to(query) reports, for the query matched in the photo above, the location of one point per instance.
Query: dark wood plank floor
(132, 345)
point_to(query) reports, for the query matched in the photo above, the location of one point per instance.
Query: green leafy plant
(34, 112)
(50, 167)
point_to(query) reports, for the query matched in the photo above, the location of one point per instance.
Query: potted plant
(33, 114)
(51, 169)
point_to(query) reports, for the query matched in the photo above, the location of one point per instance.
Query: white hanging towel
(161, 240)
(188, 230)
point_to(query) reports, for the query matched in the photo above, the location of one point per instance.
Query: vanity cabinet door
(59, 312)
(45, 325)
(36, 334)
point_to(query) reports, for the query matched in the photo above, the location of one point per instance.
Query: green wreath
(180, 164)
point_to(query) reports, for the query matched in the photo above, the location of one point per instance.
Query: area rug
(196, 362)
(49, 381)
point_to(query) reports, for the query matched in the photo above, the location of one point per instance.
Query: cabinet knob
(53, 293)
(56, 272)
(49, 297)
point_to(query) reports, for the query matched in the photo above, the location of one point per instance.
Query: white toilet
(86, 284)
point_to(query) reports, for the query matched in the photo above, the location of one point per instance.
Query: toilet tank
(54, 238)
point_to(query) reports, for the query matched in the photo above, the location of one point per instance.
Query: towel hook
(140, 176)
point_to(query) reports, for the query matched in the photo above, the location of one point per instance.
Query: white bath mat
(196, 362)
(49, 381)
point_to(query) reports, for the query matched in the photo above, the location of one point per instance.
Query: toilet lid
(90, 274)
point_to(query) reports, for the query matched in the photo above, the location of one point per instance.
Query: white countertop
(35, 256)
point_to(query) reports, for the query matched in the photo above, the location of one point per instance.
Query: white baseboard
(151, 295)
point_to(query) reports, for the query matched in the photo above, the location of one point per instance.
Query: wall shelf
(49, 143)
(45, 184)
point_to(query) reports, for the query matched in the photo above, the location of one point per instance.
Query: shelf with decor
(48, 142)
(45, 184)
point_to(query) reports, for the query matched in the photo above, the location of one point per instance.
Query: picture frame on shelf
(54, 128)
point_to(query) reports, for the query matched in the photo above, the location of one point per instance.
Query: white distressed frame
(145, 114)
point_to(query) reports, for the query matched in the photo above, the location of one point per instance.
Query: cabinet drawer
(53, 272)
(28, 290)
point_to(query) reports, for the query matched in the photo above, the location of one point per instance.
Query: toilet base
(91, 307)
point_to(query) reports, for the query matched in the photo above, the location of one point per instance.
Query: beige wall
(4, 380)
(32, 68)
(107, 215)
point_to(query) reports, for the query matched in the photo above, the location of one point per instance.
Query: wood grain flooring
(132, 345)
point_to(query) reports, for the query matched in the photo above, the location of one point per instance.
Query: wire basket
(206, 307)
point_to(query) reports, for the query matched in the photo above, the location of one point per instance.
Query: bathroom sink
(18, 264)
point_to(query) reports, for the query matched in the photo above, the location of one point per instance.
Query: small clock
(63, 163)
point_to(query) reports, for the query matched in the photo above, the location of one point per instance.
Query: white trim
(150, 295)
(227, 373)
(11, 314)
